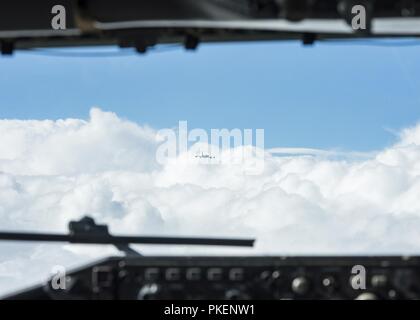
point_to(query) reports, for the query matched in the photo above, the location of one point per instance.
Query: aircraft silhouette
(205, 156)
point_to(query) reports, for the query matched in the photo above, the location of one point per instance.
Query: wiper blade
(86, 231)
(92, 239)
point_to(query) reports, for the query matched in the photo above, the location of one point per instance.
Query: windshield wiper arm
(86, 231)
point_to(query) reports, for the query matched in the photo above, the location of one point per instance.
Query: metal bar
(104, 239)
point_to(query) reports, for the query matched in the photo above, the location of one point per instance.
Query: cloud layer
(310, 202)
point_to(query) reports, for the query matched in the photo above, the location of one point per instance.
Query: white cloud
(304, 202)
(71, 147)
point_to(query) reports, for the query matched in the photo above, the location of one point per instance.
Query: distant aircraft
(204, 156)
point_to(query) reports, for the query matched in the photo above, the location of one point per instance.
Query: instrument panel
(240, 278)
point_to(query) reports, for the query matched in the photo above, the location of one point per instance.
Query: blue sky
(348, 97)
